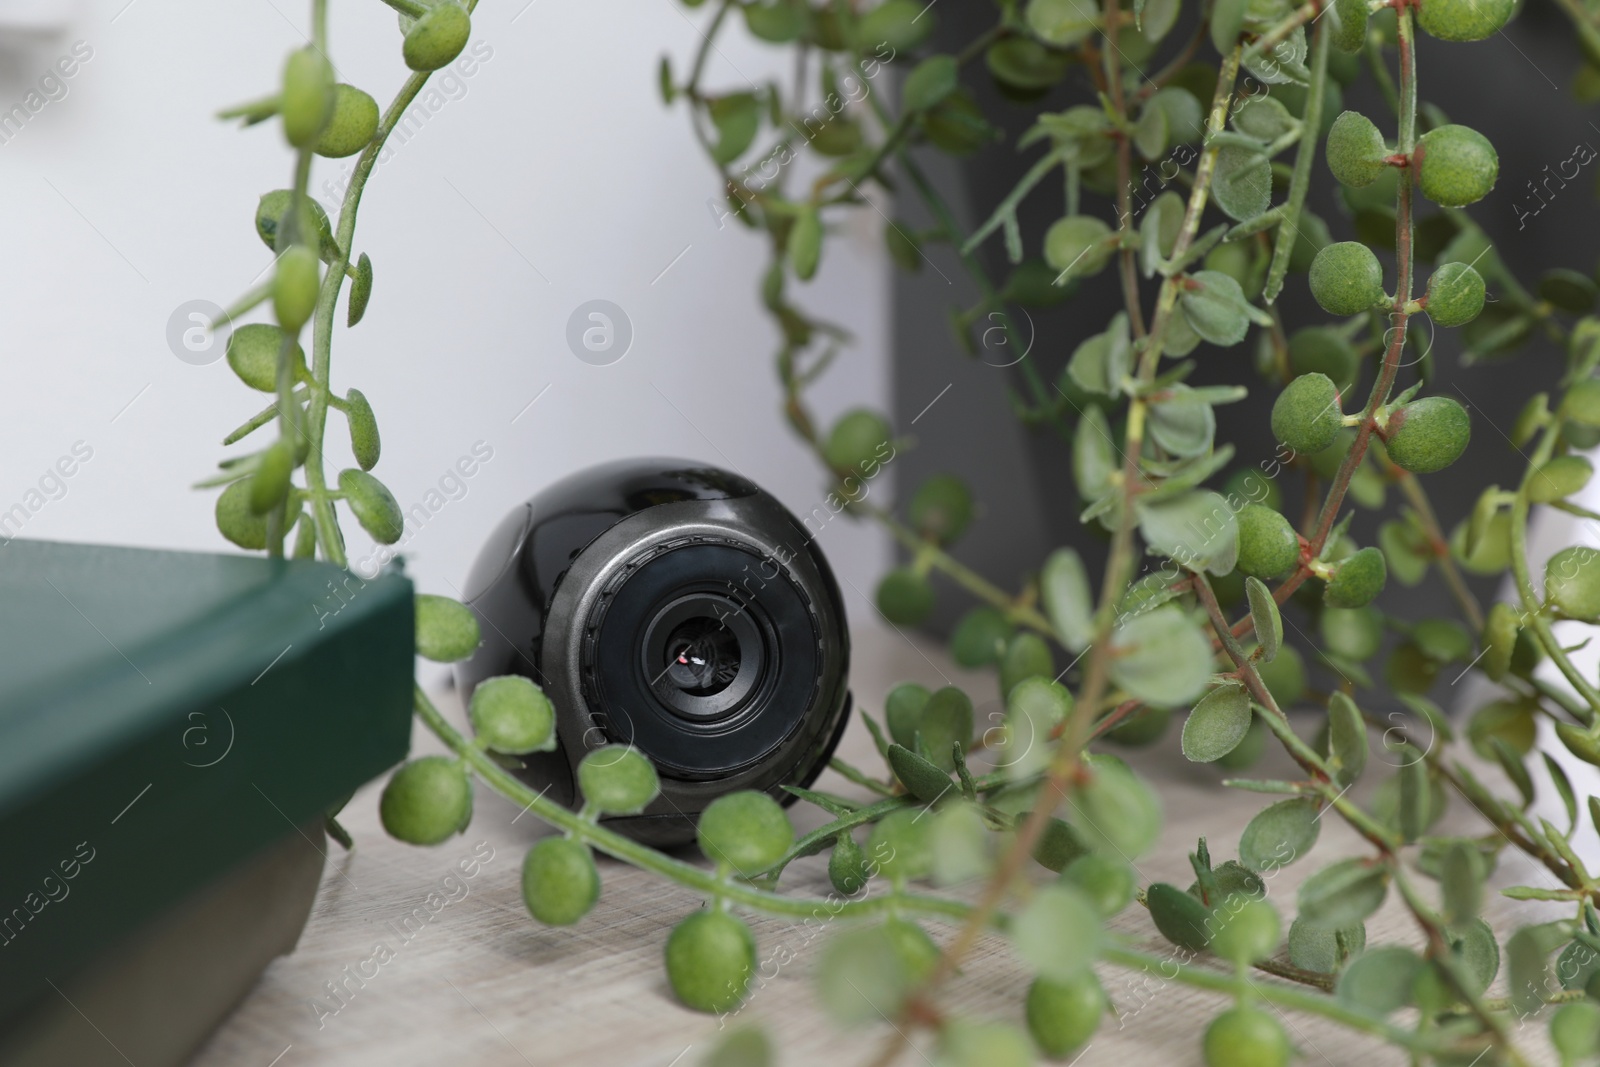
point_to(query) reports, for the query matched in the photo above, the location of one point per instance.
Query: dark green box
(166, 715)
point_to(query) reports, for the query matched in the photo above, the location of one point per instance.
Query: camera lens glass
(702, 657)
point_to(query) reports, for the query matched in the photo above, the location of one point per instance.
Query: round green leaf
(1183, 423)
(1572, 582)
(1026, 656)
(902, 709)
(1161, 657)
(1068, 602)
(1268, 545)
(621, 780)
(1456, 166)
(559, 881)
(960, 844)
(437, 37)
(1062, 23)
(1058, 933)
(946, 721)
(1217, 724)
(1078, 246)
(1198, 530)
(929, 82)
(980, 636)
(710, 958)
(1355, 150)
(306, 99)
(970, 1043)
(1343, 894)
(1307, 415)
(510, 714)
(904, 597)
(1280, 834)
(1034, 708)
(860, 977)
(1428, 435)
(1346, 278)
(253, 355)
(374, 506)
(1215, 306)
(1242, 182)
(1315, 948)
(1559, 478)
(746, 830)
(1115, 812)
(1064, 1015)
(447, 630)
(1455, 294)
(354, 121)
(1247, 929)
(426, 800)
(237, 520)
(1380, 979)
(901, 845)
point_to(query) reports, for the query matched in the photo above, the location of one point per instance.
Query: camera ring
(757, 731)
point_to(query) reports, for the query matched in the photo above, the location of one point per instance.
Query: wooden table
(477, 981)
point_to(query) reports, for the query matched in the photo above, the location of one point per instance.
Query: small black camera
(674, 607)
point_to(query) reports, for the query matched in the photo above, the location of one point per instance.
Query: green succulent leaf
(1068, 600)
(1058, 933)
(1380, 980)
(1343, 894)
(1217, 724)
(1280, 834)
(929, 83)
(1265, 618)
(1197, 529)
(1181, 918)
(1161, 657)
(1215, 307)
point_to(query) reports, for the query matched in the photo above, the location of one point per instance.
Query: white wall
(553, 176)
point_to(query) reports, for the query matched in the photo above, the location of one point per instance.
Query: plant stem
(1127, 269)
(962, 575)
(1323, 778)
(646, 858)
(1533, 608)
(1283, 996)
(329, 537)
(1418, 497)
(1300, 180)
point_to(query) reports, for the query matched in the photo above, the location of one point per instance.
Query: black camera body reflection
(675, 607)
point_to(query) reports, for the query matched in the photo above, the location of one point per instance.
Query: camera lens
(702, 657)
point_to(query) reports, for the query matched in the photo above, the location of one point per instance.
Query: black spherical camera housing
(674, 607)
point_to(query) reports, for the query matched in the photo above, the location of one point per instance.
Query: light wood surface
(478, 982)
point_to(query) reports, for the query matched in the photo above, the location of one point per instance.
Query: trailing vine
(1204, 265)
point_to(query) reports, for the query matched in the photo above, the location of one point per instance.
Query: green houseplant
(1202, 258)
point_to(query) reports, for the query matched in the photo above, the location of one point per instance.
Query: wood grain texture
(478, 982)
